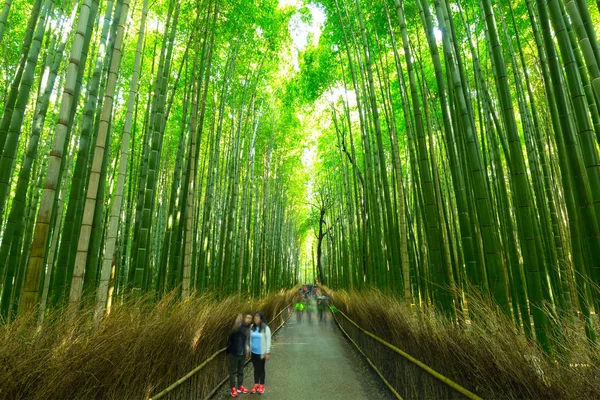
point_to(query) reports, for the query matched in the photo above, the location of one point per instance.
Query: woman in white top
(260, 347)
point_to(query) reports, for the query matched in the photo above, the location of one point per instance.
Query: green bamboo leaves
(469, 117)
(436, 150)
(208, 97)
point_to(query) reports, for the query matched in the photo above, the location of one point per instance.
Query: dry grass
(142, 347)
(485, 356)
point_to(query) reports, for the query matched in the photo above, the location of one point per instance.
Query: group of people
(250, 338)
(309, 294)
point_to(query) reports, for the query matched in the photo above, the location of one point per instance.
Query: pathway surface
(313, 360)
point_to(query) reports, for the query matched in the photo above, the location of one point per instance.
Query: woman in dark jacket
(238, 348)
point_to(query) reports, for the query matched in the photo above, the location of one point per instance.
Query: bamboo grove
(462, 156)
(155, 146)
(143, 151)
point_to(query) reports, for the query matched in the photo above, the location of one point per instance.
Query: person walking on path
(238, 346)
(322, 303)
(260, 346)
(299, 309)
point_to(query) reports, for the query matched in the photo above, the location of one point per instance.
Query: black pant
(236, 368)
(259, 369)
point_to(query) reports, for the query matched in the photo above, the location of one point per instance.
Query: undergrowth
(139, 349)
(486, 355)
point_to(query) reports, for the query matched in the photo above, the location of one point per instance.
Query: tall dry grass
(486, 355)
(142, 347)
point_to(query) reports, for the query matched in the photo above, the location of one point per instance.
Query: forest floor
(311, 359)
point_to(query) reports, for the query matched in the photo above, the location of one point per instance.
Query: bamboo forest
(424, 174)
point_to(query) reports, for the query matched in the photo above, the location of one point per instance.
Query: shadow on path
(312, 359)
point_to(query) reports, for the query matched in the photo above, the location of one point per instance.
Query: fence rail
(403, 374)
(194, 385)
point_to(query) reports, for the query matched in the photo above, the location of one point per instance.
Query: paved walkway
(313, 360)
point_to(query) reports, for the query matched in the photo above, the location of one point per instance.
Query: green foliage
(276, 126)
(318, 65)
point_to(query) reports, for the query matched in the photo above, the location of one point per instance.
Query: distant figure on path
(304, 292)
(260, 346)
(322, 303)
(299, 309)
(238, 349)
